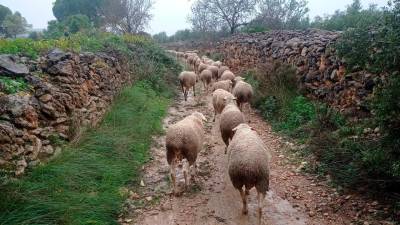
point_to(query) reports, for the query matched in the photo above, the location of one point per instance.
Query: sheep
(231, 117)
(243, 92)
(248, 165)
(187, 80)
(228, 75)
(218, 100)
(221, 70)
(206, 77)
(201, 67)
(223, 84)
(214, 71)
(217, 64)
(184, 140)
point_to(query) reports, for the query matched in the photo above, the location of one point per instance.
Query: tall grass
(82, 186)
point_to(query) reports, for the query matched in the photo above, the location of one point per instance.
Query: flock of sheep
(248, 157)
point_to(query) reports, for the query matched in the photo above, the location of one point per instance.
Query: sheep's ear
(225, 98)
(252, 129)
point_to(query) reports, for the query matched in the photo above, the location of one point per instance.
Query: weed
(13, 85)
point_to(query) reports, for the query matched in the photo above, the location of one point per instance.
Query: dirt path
(294, 198)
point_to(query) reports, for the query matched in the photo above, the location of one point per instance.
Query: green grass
(82, 185)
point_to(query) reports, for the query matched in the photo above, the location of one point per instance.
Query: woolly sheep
(231, 117)
(243, 92)
(219, 97)
(221, 70)
(248, 165)
(223, 84)
(187, 80)
(206, 77)
(184, 140)
(214, 71)
(201, 67)
(228, 75)
(217, 64)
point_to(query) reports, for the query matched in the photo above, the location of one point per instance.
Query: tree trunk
(232, 30)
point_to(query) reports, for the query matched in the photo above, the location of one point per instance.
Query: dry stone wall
(322, 74)
(68, 91)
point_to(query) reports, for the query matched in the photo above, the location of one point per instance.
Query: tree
(4, 12)
(63, 9)
(15, 24)
(202, 19)
(35, 35)
(127, 16)
(232, 13)
(283, 14)
(161, 37)
(354, 16)
(71, 25)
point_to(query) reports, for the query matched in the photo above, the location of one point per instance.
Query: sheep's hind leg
(185, 174)
(215, 114)
(260, 199)
(244, 200)
(173, 177)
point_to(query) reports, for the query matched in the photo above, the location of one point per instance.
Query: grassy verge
(82, 185)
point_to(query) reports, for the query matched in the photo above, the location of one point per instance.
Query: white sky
(169, 15)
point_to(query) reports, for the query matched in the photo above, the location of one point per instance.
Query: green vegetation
(354, 16)
(362, 152)
(71, 25)
(12, 86)
(82, 185)
(80, 42)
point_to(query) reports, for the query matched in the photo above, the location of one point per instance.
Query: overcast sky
(169, 15)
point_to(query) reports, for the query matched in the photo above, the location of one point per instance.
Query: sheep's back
(248, 162)
(243, 92)
(231, 117)
(186, 138)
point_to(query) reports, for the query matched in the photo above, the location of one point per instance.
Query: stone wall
(68, 92)
(321, 73)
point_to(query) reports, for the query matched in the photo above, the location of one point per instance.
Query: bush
(12, 86)
(350, 151)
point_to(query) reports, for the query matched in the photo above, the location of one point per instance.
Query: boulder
(9, 66)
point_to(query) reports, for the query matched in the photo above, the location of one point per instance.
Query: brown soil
(295, 198)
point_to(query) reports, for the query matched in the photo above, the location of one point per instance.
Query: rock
(294, 42)
(45, 98)
(304, 51)
(63, 68)
(21, 165)
(56, 55)
(9, 66)
(142, 183)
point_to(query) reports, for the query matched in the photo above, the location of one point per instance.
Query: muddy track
(294, 198)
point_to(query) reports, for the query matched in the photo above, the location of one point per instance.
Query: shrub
(12, 86)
